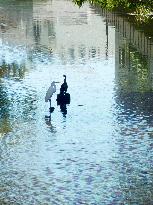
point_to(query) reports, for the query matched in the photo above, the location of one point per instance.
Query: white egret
(51, 90)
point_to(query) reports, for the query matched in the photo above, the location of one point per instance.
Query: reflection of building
(27, 23)
(46, 25)
(16, 22)
(61, 29)
(77, 41)
(43, 24)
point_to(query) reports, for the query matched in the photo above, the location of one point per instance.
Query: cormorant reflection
(63, 109)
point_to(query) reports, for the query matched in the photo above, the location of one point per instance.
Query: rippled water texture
(98, 149)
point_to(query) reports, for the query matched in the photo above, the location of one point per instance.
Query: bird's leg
(50, 103)
(51, 109)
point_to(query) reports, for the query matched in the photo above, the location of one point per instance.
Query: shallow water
(97, 150)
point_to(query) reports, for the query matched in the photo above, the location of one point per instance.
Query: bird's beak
(57, 82)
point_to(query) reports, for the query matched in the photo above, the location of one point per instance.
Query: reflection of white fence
(136, 37)
(126, 34)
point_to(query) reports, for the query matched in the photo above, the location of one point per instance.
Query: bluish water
(99, 149)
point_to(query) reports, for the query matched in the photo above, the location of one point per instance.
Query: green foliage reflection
(142, 10)
(134, 73)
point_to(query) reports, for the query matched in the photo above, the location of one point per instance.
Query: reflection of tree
(5, 126)
(4, 111)
(7, 103)
(4, 102)
(134, 82)
(133, 73)
(12, 70)
(51, 30)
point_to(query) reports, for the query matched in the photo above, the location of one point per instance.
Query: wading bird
(51, 90)
(63, 97)
(64, 86)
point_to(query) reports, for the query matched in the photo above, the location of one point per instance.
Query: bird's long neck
(64, 79)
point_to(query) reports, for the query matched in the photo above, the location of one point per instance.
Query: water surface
(99, 149)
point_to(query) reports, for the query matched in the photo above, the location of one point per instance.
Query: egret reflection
(48, 121)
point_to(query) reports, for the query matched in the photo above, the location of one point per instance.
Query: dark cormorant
(63, 97)
(64, 86)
